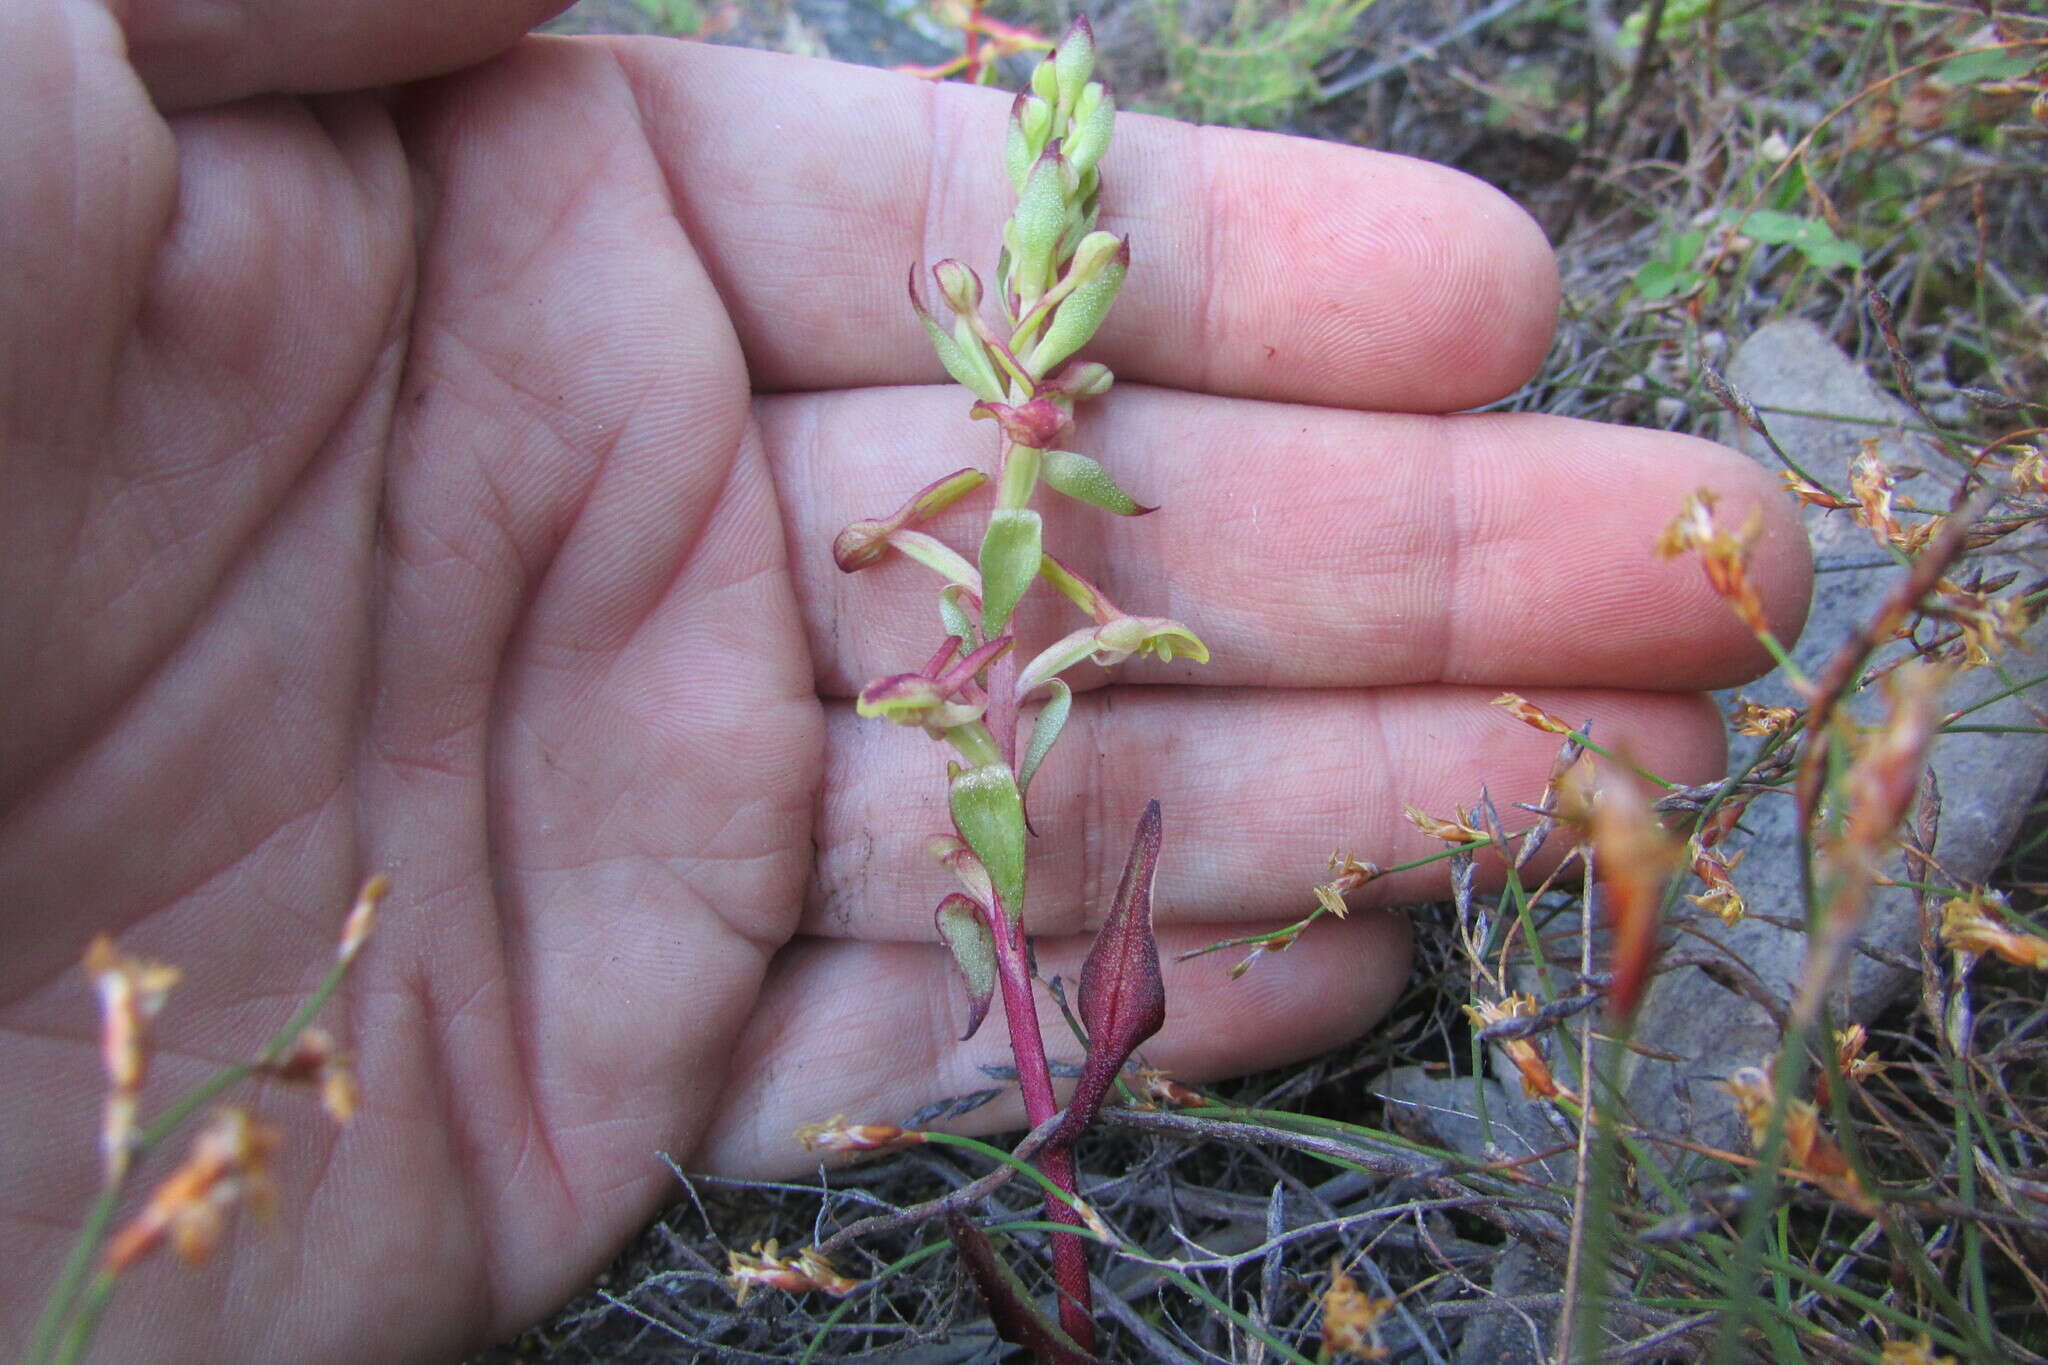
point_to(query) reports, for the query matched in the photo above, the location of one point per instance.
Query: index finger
(1263, 266)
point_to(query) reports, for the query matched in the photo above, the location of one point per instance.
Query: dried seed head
(1920, 1352)
(1634, 856)
(1754, 718)
(313, 1059)
(1724, 554)
(767, 1268)
(2030, 472)
(1351, 1317)
(1809, 1149)
(1973, 924)
(1870, 479)
(1989, 625)
(1353, 873)
(1851, 1058)
(1160, 1089)
(1720, 898)
(1884, 779)
(838, 1134)
(1456, 832)
(1537, 1080)
(229, 1163)
(1812, 494)
(132, 992)
(1529, 713)
(362, 917)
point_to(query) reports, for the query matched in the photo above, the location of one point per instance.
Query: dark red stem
(1034, 1078)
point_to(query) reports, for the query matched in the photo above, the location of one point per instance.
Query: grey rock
(1985, 781)
(1512, 1336)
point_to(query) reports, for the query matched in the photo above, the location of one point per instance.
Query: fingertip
(1409, 286)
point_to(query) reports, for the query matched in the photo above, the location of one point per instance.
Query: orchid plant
(1056, 278)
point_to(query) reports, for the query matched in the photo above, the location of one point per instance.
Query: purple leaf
(1017, 1319)
(1122, 998)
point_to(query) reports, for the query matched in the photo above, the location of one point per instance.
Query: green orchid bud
(1082, 379)
(1095, 253)
(1094, 119)
(1073, 61)
(1030, 130)
(1074, 325)
(965, 359)
(1045, 80)
(1033, 232)
(960, 287)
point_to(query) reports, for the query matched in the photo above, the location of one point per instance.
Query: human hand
(442, 481)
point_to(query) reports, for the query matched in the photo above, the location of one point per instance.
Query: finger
(1268, 266)
(1260, 790)
(193, 52)
(1311, 547)
(871, 1030)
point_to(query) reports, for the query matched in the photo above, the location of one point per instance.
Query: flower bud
(1073, 61)
(1094, 119)
(959, 286)
(1082, 379)
(1095, 253)
(964, 358)
(1045, 81)
(1030, 129)
(1074, 325)
(1033, 232)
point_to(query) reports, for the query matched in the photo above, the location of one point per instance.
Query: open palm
(440, 481)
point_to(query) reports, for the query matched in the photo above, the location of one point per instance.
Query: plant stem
(1034, 1078)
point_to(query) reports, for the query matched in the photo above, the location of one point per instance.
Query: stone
(1705, 1029)
(1986, 781)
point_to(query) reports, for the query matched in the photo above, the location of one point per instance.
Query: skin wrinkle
(1455, 519)
(1211, 263)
